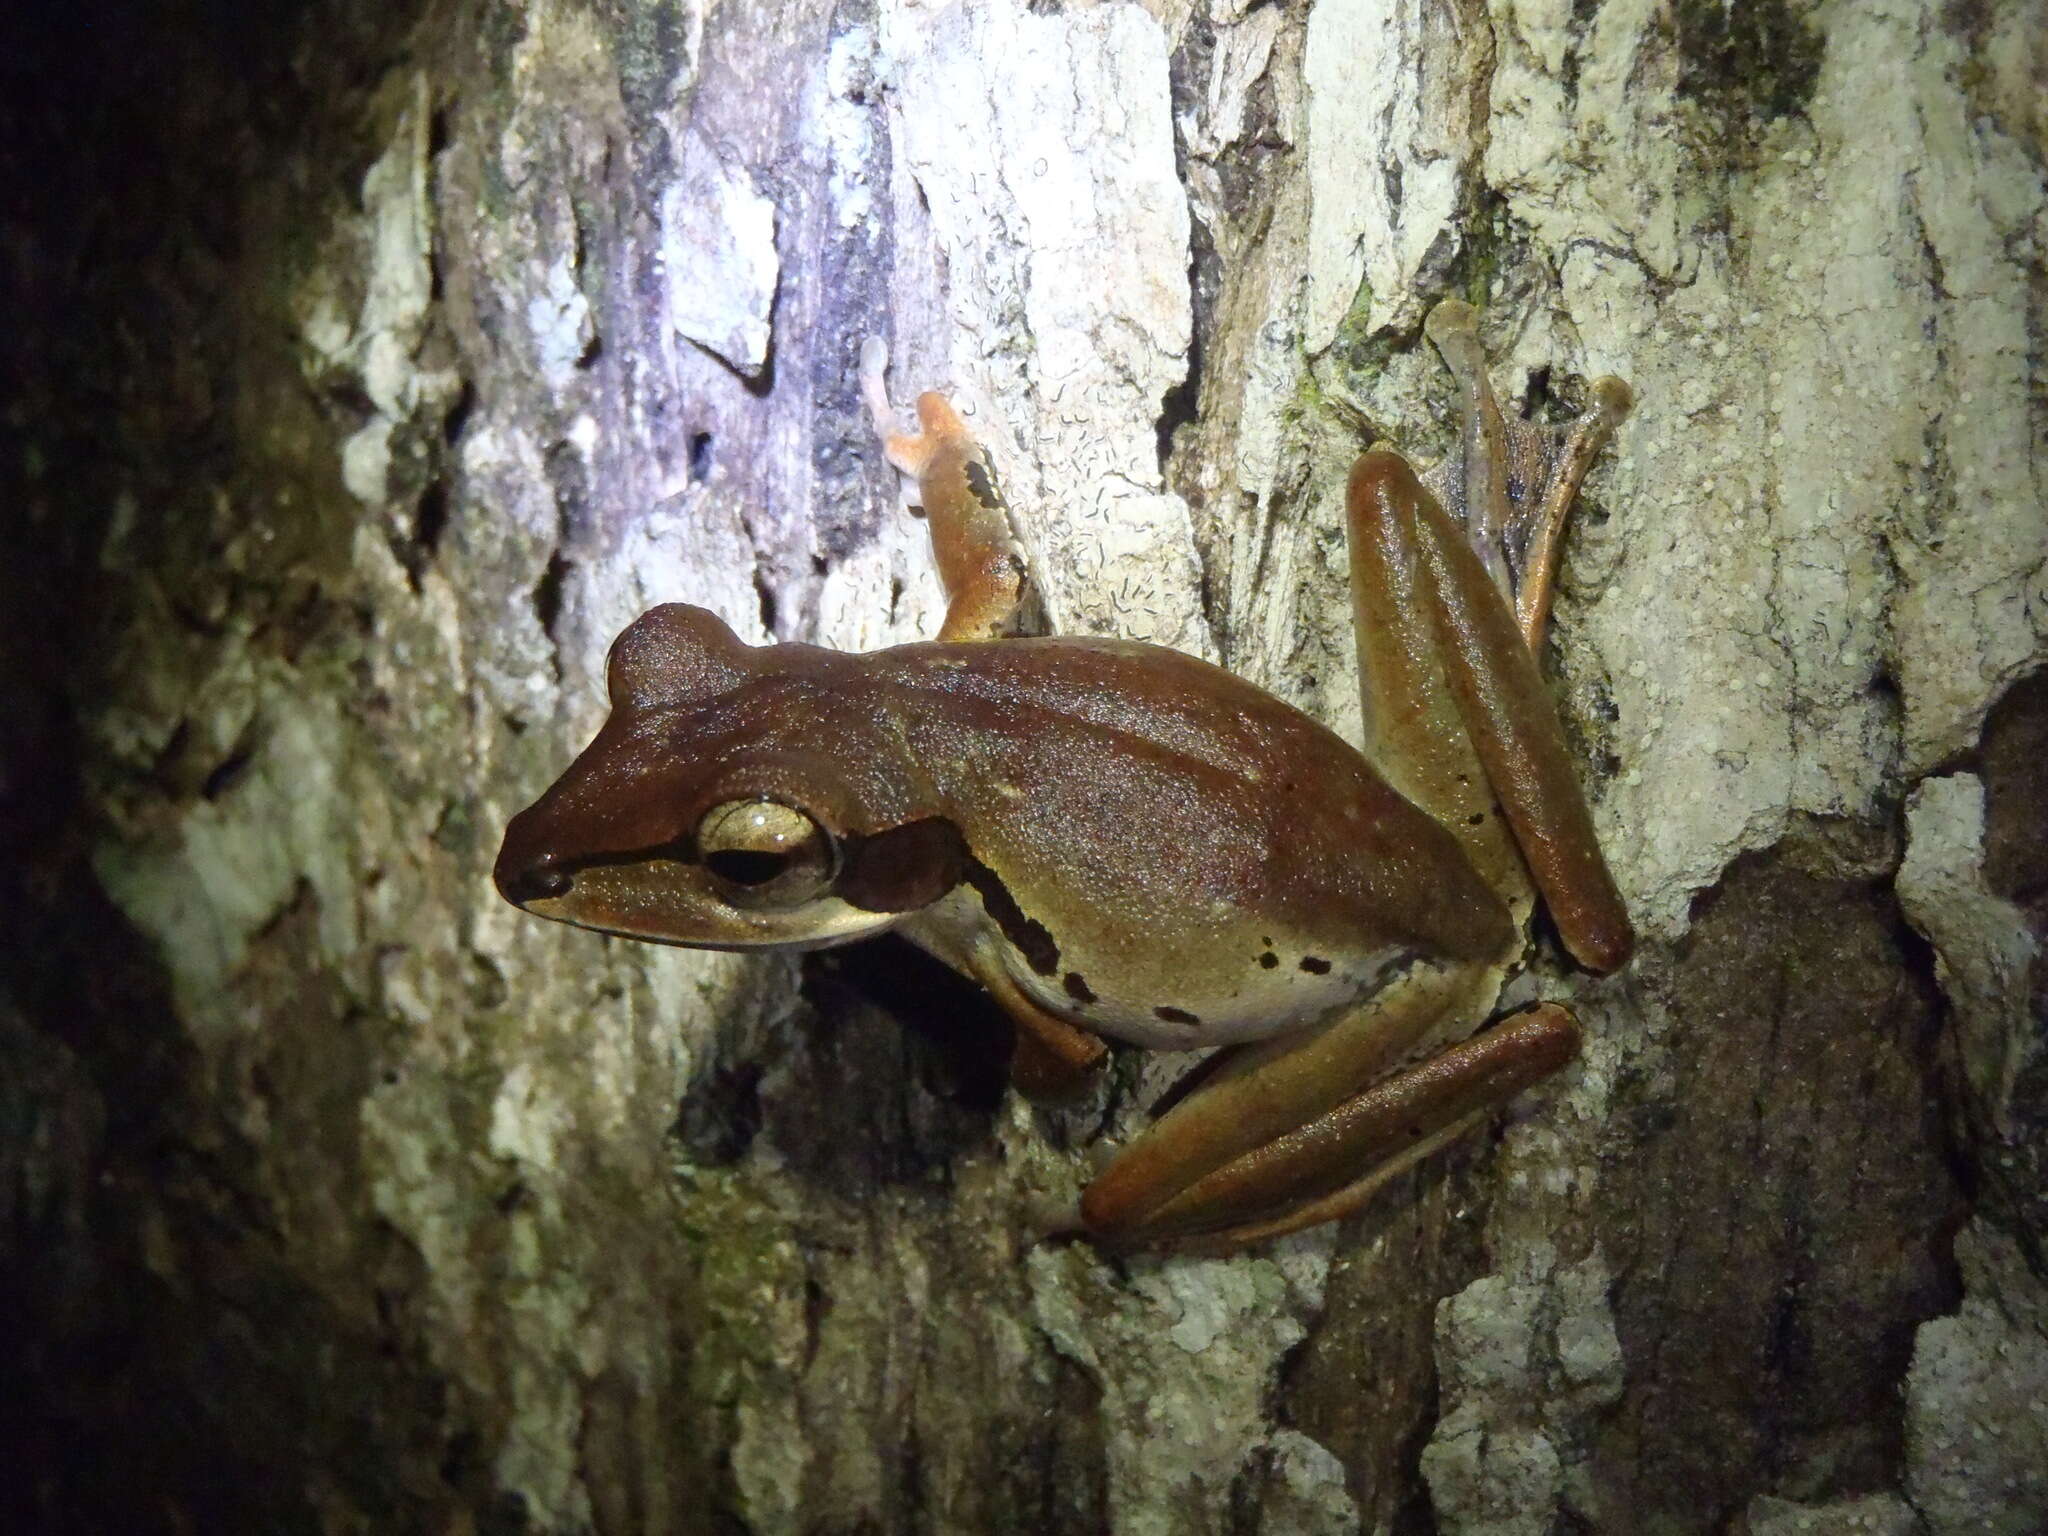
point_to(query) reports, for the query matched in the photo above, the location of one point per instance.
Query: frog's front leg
(972, 542)
(982, 571)
(1288, 1133)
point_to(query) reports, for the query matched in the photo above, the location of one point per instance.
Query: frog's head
(738, 797)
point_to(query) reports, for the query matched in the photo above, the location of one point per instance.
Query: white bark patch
(1977, 1399)
(1520, 1362)
(1808, 504)
(559, 318)
(848, 124)
(1387, 160)
(227, 867)
(1982, 947)
(1185, 1354)
(1308, 1494)
(1044, 148)
(1260, 359)
(391, 253)
(401, 276)
(1242, 55)
(718, 257)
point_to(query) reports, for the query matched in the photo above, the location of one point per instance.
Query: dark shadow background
(130, 136)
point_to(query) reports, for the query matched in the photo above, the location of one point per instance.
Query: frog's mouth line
(748, 947)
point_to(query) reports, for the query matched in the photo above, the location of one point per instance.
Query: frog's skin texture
(1117, 839)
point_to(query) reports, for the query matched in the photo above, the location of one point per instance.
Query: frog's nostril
(536, 882)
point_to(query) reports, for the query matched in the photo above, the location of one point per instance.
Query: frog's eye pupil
(762, 853)
(743, 867)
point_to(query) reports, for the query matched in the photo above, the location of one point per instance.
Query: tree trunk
(376, 364)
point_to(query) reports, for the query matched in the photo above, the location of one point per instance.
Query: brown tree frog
(1119, 840)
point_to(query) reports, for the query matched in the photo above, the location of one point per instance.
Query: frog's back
(1181, 798)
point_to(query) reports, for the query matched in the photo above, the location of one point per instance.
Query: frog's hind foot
(1511, 481)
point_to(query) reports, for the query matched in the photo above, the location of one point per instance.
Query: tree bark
(375, 365)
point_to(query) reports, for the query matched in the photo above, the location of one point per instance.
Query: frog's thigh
(1416, 732)
(1254, 1095)
(1400, 534)
(1330, 1165)
(1297, 1181)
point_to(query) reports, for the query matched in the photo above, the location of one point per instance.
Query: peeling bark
(373, 366)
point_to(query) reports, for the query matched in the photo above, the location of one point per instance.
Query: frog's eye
(761, 853)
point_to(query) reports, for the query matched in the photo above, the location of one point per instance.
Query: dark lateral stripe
(1033, 940)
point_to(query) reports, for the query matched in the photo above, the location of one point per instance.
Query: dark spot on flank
(1269, 959)
(1475, 818)
(1176, 1016)
(1033, 939)
(1078, 988)
(1315, 965)
(982, 482)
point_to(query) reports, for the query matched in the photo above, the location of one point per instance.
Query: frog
(1121, 841)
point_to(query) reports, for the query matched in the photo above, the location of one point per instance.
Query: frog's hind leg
(1385, 1131)
(1450, 606)
(979, 562)
(1460, 719)
(1281, 1137)
(1515, 480)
